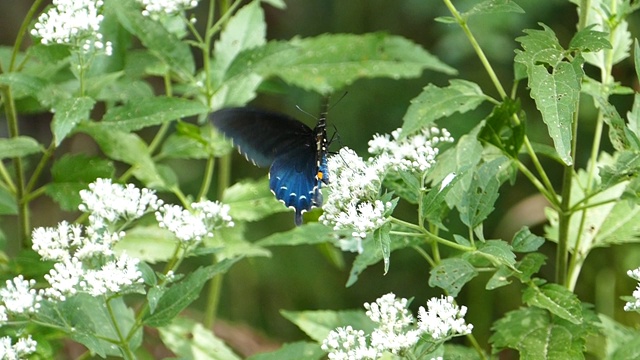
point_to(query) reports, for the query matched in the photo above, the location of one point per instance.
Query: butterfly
(296, 153)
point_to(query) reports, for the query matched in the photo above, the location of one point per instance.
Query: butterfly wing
(260, 135)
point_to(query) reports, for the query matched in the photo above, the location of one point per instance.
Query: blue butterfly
(297, 154)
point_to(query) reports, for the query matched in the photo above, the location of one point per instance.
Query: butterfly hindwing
(296, 153)
(260, 135)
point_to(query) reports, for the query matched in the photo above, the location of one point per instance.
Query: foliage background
(302, 278)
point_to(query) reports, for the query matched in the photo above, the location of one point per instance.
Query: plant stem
(14, 132)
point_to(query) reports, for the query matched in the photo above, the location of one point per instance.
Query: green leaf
(312, 233)
(73, 173)
(128, 148)
(87, 320)
(251, 200)
(279, 4)
(618, 35)
(231, 243)
(23, 85)
(190, 340)
(327, 63)
(498, 252)
(589, 40)
(500, 278)
(180, 295)
(451, 275)
(434, 205)
(18, 147)
(67, 114)
(150, 112)
(636, 58)
(477, 202)
(525, 241)
(435, 103)
(153, 36)
(529, 265)
(150, 244)
(372, 254)
(555, 84)
(8, 204)
(318, 324)
(537, 335)
(557, 299)
(494, 7)
(293, 351)
(621, 137)
(501, 129)
(633, 116)
(246, 29)
(620, 342)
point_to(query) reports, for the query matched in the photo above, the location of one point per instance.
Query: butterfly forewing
(297, 153)
(261, 135)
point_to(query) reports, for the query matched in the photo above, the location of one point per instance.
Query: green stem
(123, 342)
(21, 33)
(40, 167)
(474, 343)
(208, 176)
(6, 178)
(431, 236)
(14, 132)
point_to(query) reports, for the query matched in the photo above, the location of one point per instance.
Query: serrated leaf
(128, 148)
(18, 147)
(318, 324)
(621, 137)
(536, 335)
(190, 340)
(252, 200)
(557, 299)
(619, 340)
(293, 351)
(477, 202)
(67, 114)
(529, 265)
(327, 63)
(494, 7)
(435, 102)
(625, 167)
(633, 116)
(599, 14)
(589, 40)
(383, 240)
(150, 112)
(451, 275)
(180, 295)
(153, 36)
(556, 96)
(312, 233)
(525, 241)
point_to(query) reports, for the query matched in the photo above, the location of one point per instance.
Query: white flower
(54, 243)
(156, 8)
(65, 279)
(414, 153)
(634, 305)
(353, 202)
(113, 276)
(108, 202)
(20, 350)
(443, 319)
(346, 343)
(19, 297)
(193, 225)
(73, 22)
(393, 333)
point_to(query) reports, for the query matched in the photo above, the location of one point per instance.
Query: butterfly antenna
(306, 113)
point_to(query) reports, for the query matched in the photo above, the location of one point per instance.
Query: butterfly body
(296, 154)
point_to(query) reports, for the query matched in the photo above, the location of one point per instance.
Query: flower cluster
(75, 23)
(634, 304)
(441, 320)
(355, 202)
(414, 153)
(157, 8)
(192, 226)
(85, 259)
(19, 350)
